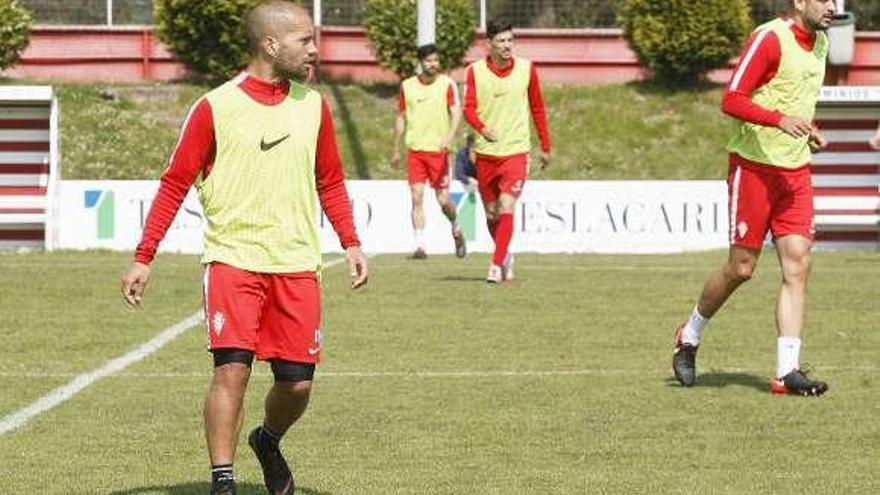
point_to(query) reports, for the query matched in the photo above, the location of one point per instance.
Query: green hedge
(14, 32)
(392, 29)
(208, 36)
(681, 40)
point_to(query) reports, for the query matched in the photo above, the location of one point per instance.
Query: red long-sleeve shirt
(536, 101)
(195, 153)
(757, 65)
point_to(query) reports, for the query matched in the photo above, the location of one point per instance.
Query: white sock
(693, 329)
(420, 239)
(788, 351)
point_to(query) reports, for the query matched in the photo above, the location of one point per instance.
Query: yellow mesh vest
(259, 199)
(793, 91)
(427, 112)
(503, 105)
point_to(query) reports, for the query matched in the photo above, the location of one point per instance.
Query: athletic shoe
(419, 254)
(684, 360)
(276, 473)
(223, 488)
(507, 268)
(460, 246)
(494, 276)
(797, 383)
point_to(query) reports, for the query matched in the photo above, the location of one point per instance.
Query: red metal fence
(572, 56)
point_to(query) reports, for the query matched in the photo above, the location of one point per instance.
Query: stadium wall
(566, 56)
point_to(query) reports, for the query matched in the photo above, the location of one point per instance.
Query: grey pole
(483, 15)
(316, 13)
(427, 20)
(109, 12)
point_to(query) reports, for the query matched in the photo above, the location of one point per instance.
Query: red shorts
(771, 198)
(278, 316)
(501, 174)
(431, 166)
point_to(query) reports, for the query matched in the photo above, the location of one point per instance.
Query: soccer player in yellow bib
(263, 145)
(501, 91)
(429, 113)
(772, 95)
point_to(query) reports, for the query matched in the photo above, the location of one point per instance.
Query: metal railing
(90, 12)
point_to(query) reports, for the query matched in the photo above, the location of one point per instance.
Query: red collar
(266, 92)
(500, 71)
(804, 37)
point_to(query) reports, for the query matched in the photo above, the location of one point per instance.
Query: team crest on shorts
(517, 186)
(319, 343)
(218, 321)
(741, 229)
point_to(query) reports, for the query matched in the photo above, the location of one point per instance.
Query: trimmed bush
(209, 37)
(867, 14)
(15, 32)
(681, 40)
(392, 28)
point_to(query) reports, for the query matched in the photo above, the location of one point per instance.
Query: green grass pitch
(434, 383)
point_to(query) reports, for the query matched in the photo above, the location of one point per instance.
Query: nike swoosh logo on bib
(264, 146)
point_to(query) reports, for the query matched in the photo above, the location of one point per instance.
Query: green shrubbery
(681, 40)
(867, 14)
(391, 27)
(14, 32)
(209, 37)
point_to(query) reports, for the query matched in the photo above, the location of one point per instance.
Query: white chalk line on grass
(438, 373)
(18, 418)
(61, 394)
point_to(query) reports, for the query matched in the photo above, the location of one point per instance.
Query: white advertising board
(551, 216)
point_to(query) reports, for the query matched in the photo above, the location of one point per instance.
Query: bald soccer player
(262, 153)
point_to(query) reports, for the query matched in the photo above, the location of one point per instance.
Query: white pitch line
(61, 394)
(439, 374)
(55, 397)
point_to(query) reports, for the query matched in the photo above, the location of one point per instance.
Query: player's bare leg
(491, 210)
(495, 276)
(285, 403)
(499, 216)
(506, 206)
(418, 219)
(451, 214)
(738, 268)
(795, 260)
(223, 411)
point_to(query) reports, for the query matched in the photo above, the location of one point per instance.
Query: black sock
(222, 473)
(269, 436)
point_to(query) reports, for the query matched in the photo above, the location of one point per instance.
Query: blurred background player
(465, 166)
(501, 91)
(264, 146)
(772, 94)
(875, 141)
(429, 113)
